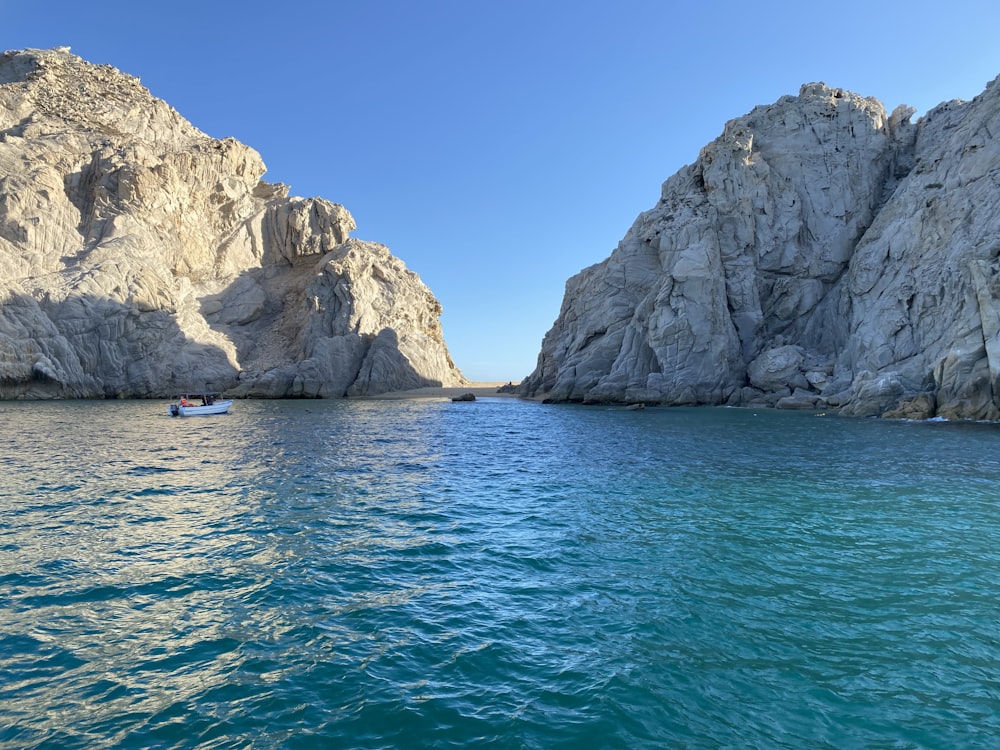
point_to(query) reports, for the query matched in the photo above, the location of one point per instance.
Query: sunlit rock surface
(818, 254)
(140, 257)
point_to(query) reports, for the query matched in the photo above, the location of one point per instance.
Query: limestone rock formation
(819, 253)
(139, 257)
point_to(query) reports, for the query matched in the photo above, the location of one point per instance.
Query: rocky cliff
(140, 257)
(818, 254)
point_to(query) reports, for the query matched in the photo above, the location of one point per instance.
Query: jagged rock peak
(139, 256)
(818, 253)
(59, 89)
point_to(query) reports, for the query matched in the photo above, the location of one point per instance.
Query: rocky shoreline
(821, 253)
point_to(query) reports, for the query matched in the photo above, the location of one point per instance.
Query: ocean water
(429, 574)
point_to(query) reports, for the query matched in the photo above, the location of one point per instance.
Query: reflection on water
(129, 531)
(424, 574)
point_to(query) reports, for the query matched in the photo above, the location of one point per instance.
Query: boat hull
(219, 407)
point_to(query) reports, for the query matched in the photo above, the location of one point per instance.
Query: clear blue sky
(498, 148)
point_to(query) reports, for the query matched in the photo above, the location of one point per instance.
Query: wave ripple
(420, 575)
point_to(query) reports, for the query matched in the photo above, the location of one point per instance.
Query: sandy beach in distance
(480, 390)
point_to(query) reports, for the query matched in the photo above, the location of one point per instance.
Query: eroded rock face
(818, 253)
(139, 257)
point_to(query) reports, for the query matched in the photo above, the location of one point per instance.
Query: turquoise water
(426, 574)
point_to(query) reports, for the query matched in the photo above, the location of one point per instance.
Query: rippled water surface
(429, 574)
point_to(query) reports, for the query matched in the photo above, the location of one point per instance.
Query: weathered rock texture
(139, 257)
(819, 253)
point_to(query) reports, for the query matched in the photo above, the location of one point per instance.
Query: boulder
(919, 407)
(778, 368)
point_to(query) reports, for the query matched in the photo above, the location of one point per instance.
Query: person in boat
(184, 401)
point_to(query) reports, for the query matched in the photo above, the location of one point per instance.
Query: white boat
(198, 405)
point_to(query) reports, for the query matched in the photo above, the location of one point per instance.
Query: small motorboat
(199, 405)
